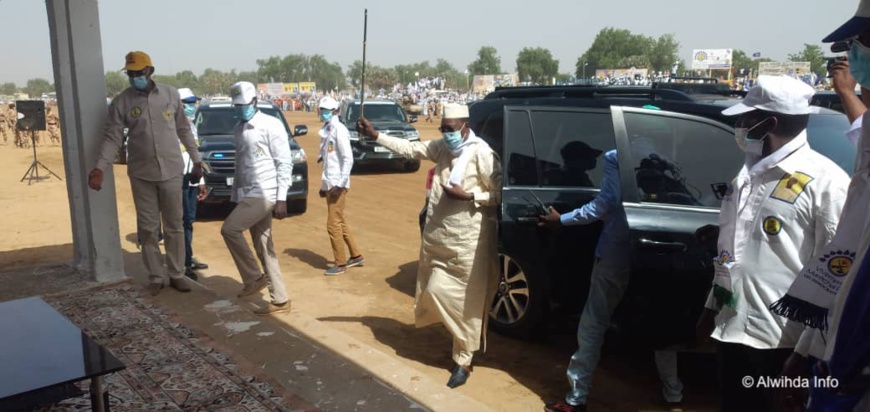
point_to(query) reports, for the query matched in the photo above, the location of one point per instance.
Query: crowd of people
(789, 297)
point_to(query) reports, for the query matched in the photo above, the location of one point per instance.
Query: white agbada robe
(458, 270)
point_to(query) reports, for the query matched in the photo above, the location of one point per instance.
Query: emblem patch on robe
(330, 147)
(839, 262)
(724, 258)
(135, 112)
(772, 226)
(790, 187)
(167, 114)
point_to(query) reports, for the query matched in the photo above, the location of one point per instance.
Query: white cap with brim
(187, 95)
(328, 103)
(855, 26)
(778, 94)
(455, 111)
(243, 92)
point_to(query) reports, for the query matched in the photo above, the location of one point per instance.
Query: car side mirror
(412, 119)
(300, 130)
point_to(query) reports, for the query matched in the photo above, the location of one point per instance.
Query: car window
(569, 147)
(520, 151)
(681, 161)
(826, 134)
(222, 121)
(376, 113)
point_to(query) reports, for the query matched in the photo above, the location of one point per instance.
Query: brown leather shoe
(179, 285)
(154, 288)
(273, 308)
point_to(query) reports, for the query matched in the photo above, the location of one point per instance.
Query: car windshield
(376, 113)
(827, 135)
(217, 121)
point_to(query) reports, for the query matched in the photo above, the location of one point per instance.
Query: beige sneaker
(255, 287)
(273, 308)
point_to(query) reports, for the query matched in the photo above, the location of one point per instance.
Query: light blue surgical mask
(453, 139)
(326, 115)
(189, 109)
(859, 63)
(139, 83)
(246, 112)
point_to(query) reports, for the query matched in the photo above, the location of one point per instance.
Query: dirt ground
(371, 303)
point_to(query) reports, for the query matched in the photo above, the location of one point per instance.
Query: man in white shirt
(779, 212)
(264, 168)
(191, 191)
(337, 158)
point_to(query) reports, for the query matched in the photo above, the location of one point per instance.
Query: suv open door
(551, 156)
(675, 172)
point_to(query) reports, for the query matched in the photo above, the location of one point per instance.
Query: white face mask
(753, 147)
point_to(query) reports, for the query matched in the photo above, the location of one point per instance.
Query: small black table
(42, 354)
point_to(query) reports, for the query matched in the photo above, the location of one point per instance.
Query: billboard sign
(711, 59)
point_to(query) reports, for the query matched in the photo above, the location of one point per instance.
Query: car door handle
(672, 247)
(527, 220)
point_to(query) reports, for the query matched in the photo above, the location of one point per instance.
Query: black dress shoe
(191, 274)
(197, 265)
(458, 377)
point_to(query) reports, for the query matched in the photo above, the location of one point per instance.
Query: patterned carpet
(168, 366)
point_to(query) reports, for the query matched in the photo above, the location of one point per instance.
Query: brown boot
(179, 285)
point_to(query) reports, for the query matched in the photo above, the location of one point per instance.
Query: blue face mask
(326, 115)
(189, 109)
(453, 139)
(140, 83)
(246, 112)
(859, 64)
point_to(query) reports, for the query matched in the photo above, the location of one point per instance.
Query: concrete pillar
(77, 56)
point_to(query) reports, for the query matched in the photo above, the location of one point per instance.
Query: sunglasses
(140, 73)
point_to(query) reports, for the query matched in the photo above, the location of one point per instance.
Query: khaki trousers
(337, 228)
(255, 214)
(153, 200)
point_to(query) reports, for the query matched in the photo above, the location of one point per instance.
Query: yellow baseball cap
(137, 60)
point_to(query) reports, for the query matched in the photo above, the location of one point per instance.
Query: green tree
(36, 87)
(116, 83)
(611, 47)
(487, 62)
(536, 65)
(812, 54)
(250, 76)
(8, 89)
(216, 82)
(663, 52)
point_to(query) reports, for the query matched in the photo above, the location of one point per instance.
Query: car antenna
(362, 92)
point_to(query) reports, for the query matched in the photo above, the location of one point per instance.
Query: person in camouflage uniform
(53, 122)
(4, 125)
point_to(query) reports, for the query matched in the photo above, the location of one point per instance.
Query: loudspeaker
(31, 114)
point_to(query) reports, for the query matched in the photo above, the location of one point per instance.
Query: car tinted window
(222, 121)
(520, 151)
(376, 113)
(681, 161)
(827, 135)
(569, 146)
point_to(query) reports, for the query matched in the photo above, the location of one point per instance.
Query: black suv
(387, 117)
(551, 141)
(215, 122)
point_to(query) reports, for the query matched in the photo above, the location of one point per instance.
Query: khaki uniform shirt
(156, 123)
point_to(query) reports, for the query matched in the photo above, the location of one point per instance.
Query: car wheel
(519, 305)
(298, 206)
(412, 166)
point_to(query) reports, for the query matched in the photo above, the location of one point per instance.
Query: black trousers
(736, 363)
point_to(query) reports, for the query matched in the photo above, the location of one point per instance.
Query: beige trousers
(255, 214)
(336, 227)
(153, 200)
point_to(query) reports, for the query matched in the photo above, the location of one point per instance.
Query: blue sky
(233, 34)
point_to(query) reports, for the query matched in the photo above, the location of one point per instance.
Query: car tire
(519, 305)
(298, 206)
(412, 166)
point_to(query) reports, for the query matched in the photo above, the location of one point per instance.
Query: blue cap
(858, 24)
